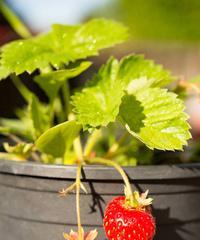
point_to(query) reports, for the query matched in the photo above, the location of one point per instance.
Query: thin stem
(78, 185)
(116, 145)
(63, 192)
(122, 149)
(78, 148)
(121, 172)
(66, 97)
(79, 153)
(189, 86)
(14, 21)
(77, 143)
(58, 110)
(14, 138)
(35, 157)
(21, 87)
(93, 138)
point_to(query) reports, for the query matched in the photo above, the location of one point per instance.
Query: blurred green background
(149, 20)
(163, 20)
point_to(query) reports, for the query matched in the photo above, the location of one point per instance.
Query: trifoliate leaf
(52, 81)
(61, 46)
(98, 103)
(156, 118)
(57, 140)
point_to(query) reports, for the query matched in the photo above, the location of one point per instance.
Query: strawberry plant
(124, 103)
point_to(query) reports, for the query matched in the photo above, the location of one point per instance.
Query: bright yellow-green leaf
(57, 140)
(155, 116)
(62, 45)
(98, 103)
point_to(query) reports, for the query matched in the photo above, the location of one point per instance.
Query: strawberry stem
(108, 162)
(78, 185)
(116, 146)
(79, 153)
(93, 138)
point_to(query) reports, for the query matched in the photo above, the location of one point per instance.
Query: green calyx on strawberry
(140, 201)
(123, 220)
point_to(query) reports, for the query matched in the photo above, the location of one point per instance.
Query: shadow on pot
(170, 230)
(167, 227)
(97, 203)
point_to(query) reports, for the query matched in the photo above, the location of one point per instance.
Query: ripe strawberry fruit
(123, 221)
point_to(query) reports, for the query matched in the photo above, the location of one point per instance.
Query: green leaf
(156, 118)
(87, 39)
(39, 115)
(27, 55)
(98, 103)
(139, 73)
(52, 81)
(57, 140)
(33, 120)
(61, 46)
(4, 72)
(70, 158)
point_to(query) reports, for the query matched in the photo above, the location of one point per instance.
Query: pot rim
(98, 172)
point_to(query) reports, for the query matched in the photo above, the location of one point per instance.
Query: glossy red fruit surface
(122, 222)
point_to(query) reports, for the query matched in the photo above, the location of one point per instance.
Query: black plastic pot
(30, 208)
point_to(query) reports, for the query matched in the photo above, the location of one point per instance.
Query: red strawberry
(123, 222)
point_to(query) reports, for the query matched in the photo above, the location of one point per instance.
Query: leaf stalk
(92, 139)
(16, 23)
(78, 186)
(124, 176)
